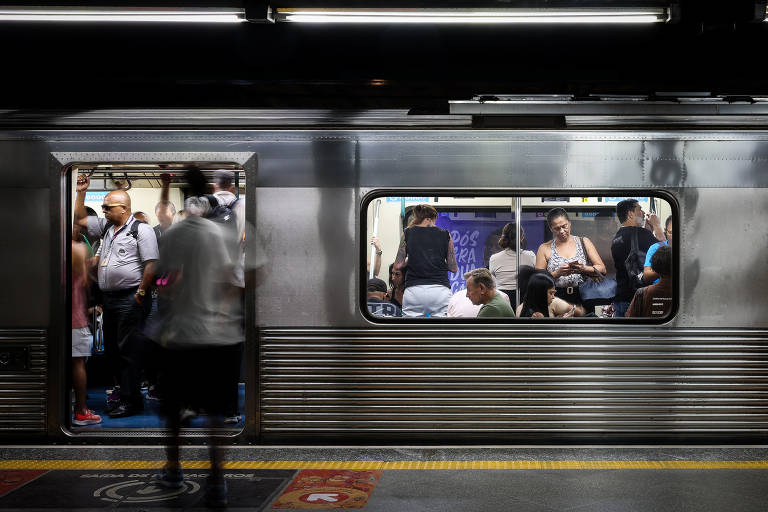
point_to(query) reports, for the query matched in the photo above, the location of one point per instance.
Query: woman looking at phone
(565, 259)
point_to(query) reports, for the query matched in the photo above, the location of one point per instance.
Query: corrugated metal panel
(23, 381)
(650, 381)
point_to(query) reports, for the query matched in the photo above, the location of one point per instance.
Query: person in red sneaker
(82, 342)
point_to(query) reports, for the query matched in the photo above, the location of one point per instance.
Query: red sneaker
(89, 418)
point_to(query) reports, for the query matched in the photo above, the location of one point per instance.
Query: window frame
(381, 193)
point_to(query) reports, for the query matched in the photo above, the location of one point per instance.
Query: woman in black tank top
(429, 252)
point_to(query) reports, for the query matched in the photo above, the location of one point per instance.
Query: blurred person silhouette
(201, 343)
(82, 341)
(126, 269)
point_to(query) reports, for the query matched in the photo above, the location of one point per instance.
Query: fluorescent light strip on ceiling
(308, 15)
(210, 15)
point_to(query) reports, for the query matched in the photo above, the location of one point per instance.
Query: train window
(125, 324)
(578, 258)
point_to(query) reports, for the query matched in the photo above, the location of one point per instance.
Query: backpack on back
(225, 216)
(634, 263)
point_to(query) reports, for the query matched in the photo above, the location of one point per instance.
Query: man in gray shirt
(125, 272)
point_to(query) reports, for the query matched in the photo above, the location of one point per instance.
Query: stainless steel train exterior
(317, 368)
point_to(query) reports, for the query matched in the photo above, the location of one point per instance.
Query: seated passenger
(481, 290)
(655, 301)
(558, 308)
(460, 306)
(377, 304)
(397, 286)
(648, 274)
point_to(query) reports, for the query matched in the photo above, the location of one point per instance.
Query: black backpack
(634, 263)
(224, 215)
(132, 231)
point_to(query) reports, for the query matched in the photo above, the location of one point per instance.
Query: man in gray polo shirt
(125, 272)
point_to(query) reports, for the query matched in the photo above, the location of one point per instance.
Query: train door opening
(107, 355)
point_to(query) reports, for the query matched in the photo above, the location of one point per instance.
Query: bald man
(126, 269)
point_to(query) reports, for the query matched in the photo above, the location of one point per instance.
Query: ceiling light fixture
(139, 14)
(469, 16)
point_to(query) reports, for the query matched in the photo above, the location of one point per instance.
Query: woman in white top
(503, 265)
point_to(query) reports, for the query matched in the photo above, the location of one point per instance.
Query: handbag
(596, 290)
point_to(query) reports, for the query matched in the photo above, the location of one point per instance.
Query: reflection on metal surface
(535, 381)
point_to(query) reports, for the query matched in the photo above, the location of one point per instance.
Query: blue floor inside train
(149, 417)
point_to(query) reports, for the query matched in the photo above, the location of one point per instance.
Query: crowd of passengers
(171, 302)
(551, 281)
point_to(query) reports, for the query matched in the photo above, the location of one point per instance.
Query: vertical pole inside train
(518, 227)
(375, 233)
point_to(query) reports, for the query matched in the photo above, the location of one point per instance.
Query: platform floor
(389, 479)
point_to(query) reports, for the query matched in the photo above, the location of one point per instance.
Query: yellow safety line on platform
(392, 465)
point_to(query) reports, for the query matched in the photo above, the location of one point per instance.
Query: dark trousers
(124, 343)
(199, 377)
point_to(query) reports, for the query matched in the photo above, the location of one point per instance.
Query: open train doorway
(118, 380)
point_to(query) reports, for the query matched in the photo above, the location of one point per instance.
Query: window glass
(425, 252)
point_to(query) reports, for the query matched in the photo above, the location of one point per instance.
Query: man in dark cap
(377, 304)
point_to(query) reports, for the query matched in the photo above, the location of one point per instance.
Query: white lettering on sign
(323, 497)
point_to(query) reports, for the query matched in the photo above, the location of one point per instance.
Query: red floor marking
(15, 478)
(327, 488)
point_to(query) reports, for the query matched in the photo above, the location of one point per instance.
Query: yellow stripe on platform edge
(392, 465)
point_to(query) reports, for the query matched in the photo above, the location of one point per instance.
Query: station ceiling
(419, 67)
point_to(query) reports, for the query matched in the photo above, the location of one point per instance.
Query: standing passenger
(565, 258)
(165, 210)
(632, 231)
(648, 274)
(125, 272)
(234, 243)
(428, 252)
(82, 341)
(503, 265)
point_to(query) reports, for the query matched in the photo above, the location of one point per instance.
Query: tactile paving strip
(393, 465)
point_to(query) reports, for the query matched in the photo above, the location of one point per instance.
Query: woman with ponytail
(503, 265)
(427, 250)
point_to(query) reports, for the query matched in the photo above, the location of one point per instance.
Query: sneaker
(152, 393)
(123, 410)
(215, 493)
(89, 418)
(186, 416)
(235, 418)
(169, 478)
(113, 399)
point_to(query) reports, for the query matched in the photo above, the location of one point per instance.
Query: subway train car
(318, 366)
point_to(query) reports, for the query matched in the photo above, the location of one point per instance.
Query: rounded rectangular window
(580, 258)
